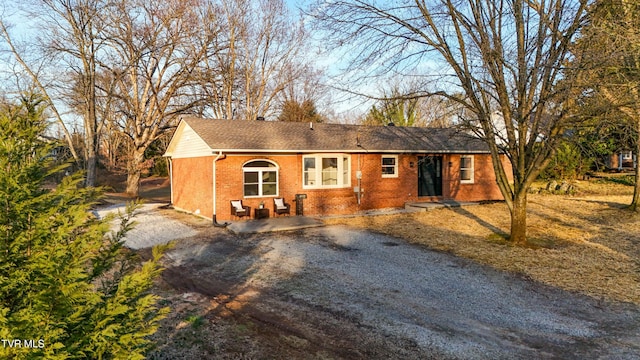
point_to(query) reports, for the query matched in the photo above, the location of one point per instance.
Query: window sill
(326, 187)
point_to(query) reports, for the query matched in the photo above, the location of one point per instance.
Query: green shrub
(68, 289)
(568, 163)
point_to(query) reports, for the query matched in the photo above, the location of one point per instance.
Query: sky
(317, 53)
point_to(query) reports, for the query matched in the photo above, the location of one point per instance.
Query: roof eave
(351, 151)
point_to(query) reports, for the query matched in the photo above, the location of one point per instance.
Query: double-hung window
(466, 169)
(260, 178)
(326, 171)
(389, 166)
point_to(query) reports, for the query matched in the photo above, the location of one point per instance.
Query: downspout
(171, 178)
(359, 178)
(215, 221)
(359, 171)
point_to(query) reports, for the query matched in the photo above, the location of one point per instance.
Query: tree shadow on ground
(489, 226)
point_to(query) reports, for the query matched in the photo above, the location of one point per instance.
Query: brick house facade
(340, 169)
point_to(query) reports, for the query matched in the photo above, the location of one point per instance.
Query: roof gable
(275, 136)
(187, 143)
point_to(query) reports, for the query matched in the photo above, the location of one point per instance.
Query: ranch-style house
(320, 168)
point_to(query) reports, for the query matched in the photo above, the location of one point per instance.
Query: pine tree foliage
(68, 289)
(395, 108)
(399, 112)
(294, 111)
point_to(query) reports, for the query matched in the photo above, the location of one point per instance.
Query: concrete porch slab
(426, 206)
(274, 224)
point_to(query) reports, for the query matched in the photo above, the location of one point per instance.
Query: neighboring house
(621, 161)
(339, 169)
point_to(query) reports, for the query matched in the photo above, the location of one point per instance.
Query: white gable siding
(190, 145)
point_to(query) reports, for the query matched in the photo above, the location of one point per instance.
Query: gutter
(215, 221)
(352, 151)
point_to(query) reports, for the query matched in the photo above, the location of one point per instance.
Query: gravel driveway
(367, 295)
(151, 228)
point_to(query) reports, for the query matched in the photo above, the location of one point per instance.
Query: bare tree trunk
(135, 172)
(91, 123)
(91, 162)
(519, 219)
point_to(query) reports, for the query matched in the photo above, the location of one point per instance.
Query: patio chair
(280, 207)
(239, 210)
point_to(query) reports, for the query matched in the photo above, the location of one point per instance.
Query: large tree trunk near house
(91, 160)
(519, 219)
(90, 120)
(90, 179)
(134, 172)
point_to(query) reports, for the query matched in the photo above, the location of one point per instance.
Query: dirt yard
(436, 285)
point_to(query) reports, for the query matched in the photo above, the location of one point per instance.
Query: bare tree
(259, 57)
(505, 56)
(303, 90)
(403, 104)
(134, 65)
(439, 112)
(73, 35)
(68, 31)
(35, 82)
(155, 49)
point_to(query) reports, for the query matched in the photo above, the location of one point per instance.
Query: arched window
(260, 178)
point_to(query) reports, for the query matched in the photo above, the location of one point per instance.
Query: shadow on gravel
(245, 288)
(336, 292)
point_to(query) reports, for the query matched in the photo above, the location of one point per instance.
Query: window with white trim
(389, 166)
(260, 178)
(466, 169)
(326, 171)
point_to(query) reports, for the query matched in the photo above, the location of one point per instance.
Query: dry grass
(586, 243)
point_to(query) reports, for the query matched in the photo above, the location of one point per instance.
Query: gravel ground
(403, 299)
(151, 228)
(337, 292)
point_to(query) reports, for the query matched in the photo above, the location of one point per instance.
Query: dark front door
(429, 175)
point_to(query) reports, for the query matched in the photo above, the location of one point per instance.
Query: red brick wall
(484, 186)
(192, 187)
(318, 201)
(230, 182)
(389, 192)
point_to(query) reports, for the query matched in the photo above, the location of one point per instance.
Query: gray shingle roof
(275, 136)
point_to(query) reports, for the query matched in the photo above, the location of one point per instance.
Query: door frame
(433, 187)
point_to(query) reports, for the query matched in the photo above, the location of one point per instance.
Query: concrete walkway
(301, 222)
(274, 224)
